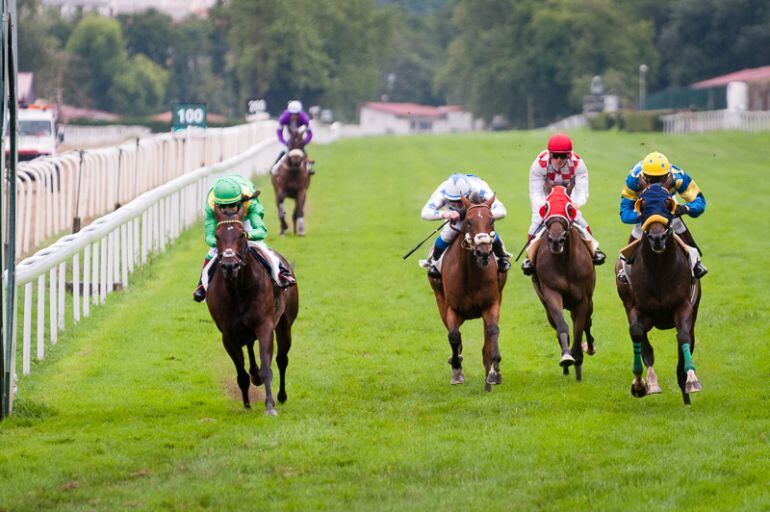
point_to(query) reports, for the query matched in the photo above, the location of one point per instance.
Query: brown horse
(246, 306)
(565, 279)
(292, 181)
(471, 287)
(661, 293)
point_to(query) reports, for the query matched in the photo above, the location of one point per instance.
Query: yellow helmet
(656, 164)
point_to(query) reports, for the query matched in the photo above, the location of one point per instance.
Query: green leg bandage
(688, 364)
(638, 358)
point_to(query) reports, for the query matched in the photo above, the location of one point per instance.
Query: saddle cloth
(210, 268)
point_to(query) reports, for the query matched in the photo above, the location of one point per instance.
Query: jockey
(655, 168)
(292, 119)
(559, 165)
(447, 196)
(227, 193)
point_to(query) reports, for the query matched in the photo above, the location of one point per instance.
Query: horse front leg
(685, 369)
(638, 328)
(454, 322)
(299, 213)
(555, 308)
(265, 337)
(256, 378)
(491, 350)
(588, 345)
(234, 350)
(648, 357)
(279, 198)
(579, 321)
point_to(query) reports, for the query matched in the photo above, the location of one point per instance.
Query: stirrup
(433, 272)
(622, 277)
(599, 257)
(199, 294)
(699, 270)
(426, 263)
(527, 267)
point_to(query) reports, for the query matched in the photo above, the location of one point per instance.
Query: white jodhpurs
(450, 231)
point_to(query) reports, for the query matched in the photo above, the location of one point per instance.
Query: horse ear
(669, 181)
(491, 200)
(638, 205)
(643, 182)
(466, 202)
(254, 195)
(571, 211)
(670, 205)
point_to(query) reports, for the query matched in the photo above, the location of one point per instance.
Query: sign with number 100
(188, 114)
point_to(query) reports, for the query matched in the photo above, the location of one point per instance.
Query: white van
(37, 132)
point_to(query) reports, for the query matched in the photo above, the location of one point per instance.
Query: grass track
(130, 410)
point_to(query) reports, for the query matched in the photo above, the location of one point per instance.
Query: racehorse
(661, 292)
(246, 306)
(565, 279)
(292, 180)
(471, 287)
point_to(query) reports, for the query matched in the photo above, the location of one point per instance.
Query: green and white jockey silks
(231, 189)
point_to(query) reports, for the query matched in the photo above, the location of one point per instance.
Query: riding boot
(527, 267)
(310, 170)
(699, 269)
(433, 257)
(503, 258)
(200, 293)
(622, 276)
(284, 274)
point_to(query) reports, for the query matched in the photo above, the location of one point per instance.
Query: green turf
(131, 409)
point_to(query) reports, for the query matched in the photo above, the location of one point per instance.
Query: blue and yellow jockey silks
(681, 184)
(254, 212)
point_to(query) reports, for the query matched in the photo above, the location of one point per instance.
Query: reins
(481, 238)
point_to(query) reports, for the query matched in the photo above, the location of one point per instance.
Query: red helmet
(559, 143)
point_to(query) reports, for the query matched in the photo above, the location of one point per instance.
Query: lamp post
(642, 86)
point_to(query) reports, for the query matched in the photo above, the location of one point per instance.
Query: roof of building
(744, 75)
(411, 109)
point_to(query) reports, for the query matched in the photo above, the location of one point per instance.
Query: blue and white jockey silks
(447, 197)
(682, 184)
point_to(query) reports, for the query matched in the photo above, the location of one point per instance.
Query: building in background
(748, 89)
(177, 9)
(404, 118)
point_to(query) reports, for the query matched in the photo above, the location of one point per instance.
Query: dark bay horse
(662, 293)
(292, 181)
(471, 287)
(565, 279)
(246, 306)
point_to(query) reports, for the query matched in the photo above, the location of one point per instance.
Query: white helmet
(294, 107)
(455, 187)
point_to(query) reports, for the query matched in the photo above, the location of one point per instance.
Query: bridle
(471, 244)
(230, 253)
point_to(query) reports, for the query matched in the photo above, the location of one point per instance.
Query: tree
(149, 33)
(140, 89)
(97, 42)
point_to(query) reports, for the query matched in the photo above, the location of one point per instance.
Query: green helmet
(227, 191)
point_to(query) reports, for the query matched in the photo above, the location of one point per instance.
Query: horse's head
(479, 230)
(295, 158)
(297, 139)
(558, 213)
(656, 208)
(231, 238)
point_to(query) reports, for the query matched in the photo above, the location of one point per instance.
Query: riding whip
(405, 256)
(526, 244)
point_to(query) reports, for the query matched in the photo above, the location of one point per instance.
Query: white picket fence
(82, 137)
(52, 191)
(713, 120)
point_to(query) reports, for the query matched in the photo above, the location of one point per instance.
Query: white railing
(101, 257)
(53, 191)
(82, 137)
(683, 122)
(568, 123)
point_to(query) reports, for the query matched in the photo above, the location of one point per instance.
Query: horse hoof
(578, 373)
(654, 389)
(281, 396)
(493, 377)
(566, 360)
(588, 349)
(639, 390)
(457, 377)
(271, 412)
(487, 387)
(565, 371)
(692, 385)
(246, 405)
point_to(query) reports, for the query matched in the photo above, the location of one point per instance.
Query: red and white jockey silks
(573, 174)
